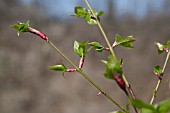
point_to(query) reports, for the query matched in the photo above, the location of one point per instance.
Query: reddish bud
(159, 76)
(107, 49)
(71, 70)
(81, 61)
(101, 93)
(119, 80)
(165, 49)
(38, 33)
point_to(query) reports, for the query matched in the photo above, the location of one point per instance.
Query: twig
(109, 45)
(160, 80)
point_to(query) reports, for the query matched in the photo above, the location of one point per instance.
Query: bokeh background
(28, 86)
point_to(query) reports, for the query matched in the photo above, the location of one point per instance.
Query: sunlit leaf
(80, 12)
(113, 67)
(97, 46)
(58, 68)
(163, 47)
(21, 27)
(125, 42)
(80, 48)
(88, 15)
(157, 70)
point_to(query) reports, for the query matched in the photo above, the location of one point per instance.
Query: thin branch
(160, 80)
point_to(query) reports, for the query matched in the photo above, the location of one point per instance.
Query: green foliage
(163, 107)
(163, 47)
(97, 46)
(88, 16)
(80, 48)
(58, 68)
(113, 66)
(125, 42)
(157, 70)
(21, 27)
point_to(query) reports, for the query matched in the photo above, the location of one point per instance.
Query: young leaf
(100, 13)
(58, 68)
(97, 46)
(80, 12)
(164, 106)
(160, 47)
(80, 48)
(163, 47)
(113, 67)
(21, 27)
(167, 44)
(125, 42)
(157, 70)
(142, 105)
(90, 20)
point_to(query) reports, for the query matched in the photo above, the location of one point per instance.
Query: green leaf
(164, 106)
(142, 105)
(163, 47)
(113, 66)
(167, 44)
(87, 14)
(80, 12)
(90, 20)
(157, 70)
(100, 13)
(58, 68)
(21, 27)
(144, 110)
(117, 112)
(125, 42)
(160, 47)
(80, 48)
(97, 46)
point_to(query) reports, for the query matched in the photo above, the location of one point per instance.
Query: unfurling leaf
(163, 47)
(21, 27)
(125, 42)
(97, 46)
(80, 48)
(157, 70)
(113, 67)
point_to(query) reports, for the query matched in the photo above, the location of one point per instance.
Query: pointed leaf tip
(80, 48)
(125, 42)
(21, 27)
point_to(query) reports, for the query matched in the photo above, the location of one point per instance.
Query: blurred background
(28, 86)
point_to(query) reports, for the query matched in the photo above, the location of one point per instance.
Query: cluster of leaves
(161, 48)
(88, 15)
(162, 107)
